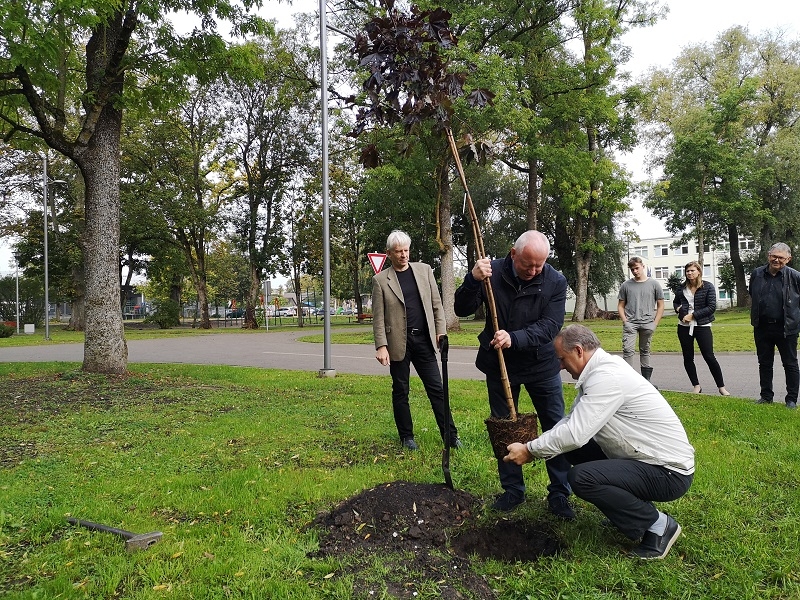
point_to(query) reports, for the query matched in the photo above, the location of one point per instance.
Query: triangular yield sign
(376, 259)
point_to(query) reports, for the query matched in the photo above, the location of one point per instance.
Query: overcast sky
(689, 22)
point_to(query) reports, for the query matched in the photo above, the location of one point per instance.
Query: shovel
(444, 346)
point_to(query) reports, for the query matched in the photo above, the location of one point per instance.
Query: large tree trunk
(583, 260)
(445, 225)
(105, 349)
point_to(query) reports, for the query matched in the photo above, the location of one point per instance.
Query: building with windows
(662, 260)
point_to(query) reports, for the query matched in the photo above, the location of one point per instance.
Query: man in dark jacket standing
(775, 317)
(530, 297)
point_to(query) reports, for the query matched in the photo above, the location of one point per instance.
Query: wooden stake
(487, 285)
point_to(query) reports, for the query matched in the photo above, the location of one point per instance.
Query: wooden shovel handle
(487, 285)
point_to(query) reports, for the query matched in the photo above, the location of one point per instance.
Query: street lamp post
(45, 183)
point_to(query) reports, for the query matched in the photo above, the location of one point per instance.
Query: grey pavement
(283, 350)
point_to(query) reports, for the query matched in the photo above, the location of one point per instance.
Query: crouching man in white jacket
(627, 445)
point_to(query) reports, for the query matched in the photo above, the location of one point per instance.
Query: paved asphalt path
(282, 350)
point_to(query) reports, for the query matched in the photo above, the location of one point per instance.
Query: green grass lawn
(232, 464)
(732, 333)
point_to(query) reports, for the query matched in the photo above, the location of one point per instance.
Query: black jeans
(624, 489)
(421, 354)
(767, 337)
(705, 341)
(548, 402)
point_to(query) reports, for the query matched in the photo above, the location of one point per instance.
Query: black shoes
(789, 404)
(507, 502)
(410, 444)
(456, 443)
(559, 506)
(657, 546)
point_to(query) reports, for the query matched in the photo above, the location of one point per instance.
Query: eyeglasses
(780, 258)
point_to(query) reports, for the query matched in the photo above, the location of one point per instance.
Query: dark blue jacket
(791, 298)
(705, 303)
(532, 313)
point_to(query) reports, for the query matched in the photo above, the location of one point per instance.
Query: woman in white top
(695, 304)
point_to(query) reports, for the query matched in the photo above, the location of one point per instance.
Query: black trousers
(421, 354)
(769, 336)
(624, 489)
(705, 341)
(547, 396)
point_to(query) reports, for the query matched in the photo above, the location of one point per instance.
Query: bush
(167, 314)
(6, 331)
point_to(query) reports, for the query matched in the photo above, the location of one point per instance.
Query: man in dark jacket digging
(530, 297)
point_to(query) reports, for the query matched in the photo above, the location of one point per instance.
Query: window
(639, 251)
(667, 295)
(745, 244)
(661, 250)
(678, 270)
(722, 294)
(706, 271)
(682, 249)
(661, 272)
(722, 247)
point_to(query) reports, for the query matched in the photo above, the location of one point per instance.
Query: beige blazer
(389, 310)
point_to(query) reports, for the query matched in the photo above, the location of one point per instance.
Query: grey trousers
(630, 331)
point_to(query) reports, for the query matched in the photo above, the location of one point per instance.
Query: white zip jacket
(624, 414)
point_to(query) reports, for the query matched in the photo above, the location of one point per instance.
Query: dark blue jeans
(548, 402)
(769, 336)
(421, 354)
(624, 489)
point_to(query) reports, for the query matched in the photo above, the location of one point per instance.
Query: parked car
(286, 311)
(234, 313)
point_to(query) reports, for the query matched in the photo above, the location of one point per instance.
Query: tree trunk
(196, 258)
(104, 349)
(445, 225)
(77, 320)
(357, 287)
(533, 193)
(125, 294)
(253, 292)
(202, 300)
(583, 260)
(742, 295)
(298, 295)
(592, 310)
(701, 242)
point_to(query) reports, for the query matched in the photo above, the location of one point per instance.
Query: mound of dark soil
(429, 533)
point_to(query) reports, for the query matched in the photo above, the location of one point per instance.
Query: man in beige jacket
(408, 321)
